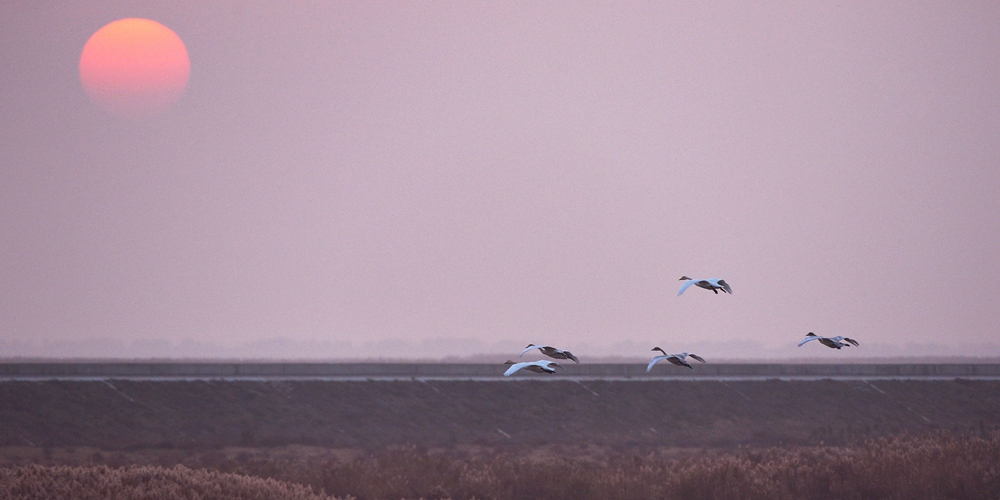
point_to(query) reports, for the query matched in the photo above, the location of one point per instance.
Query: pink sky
(444, 179)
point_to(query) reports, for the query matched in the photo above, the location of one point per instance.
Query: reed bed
(928, 466)
(142, 483)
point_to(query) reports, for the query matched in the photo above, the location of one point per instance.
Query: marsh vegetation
(929, 466)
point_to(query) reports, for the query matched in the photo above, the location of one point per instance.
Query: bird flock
(715, 285)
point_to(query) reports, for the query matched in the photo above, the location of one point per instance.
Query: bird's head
(811, 334)
(684, 278)
(509, 362)
(658, 349)
(529, 345)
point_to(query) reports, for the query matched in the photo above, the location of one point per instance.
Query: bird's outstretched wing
(725, 286)
(571, 356)
(808, 338)
(513, 368)
(685, 285)
(695, 356)
(530, 347)
(855, 342)
(656, 359)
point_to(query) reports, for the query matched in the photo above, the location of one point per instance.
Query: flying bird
(551, 352)
(541, 366)
(831, 342)
(677, 359)
(713, 284)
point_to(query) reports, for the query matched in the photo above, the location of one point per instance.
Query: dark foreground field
(503, 440)
(930, 466)
(446, 414)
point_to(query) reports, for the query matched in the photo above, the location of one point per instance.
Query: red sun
(134, 67)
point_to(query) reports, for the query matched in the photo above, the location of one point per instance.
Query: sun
(134, 67)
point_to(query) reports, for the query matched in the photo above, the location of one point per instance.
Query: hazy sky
(440, 179)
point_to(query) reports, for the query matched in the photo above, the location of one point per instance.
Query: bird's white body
(551, 352)
(831, 342)
(713, 284)
(677, 359)
(541, 366)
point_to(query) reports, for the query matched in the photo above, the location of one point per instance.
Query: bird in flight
(551, 352)
(542, 366)
(831, 342)
(713, 284)
(677, 359)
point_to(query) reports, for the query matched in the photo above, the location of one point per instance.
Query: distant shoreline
(166, 370)
(492, 359)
